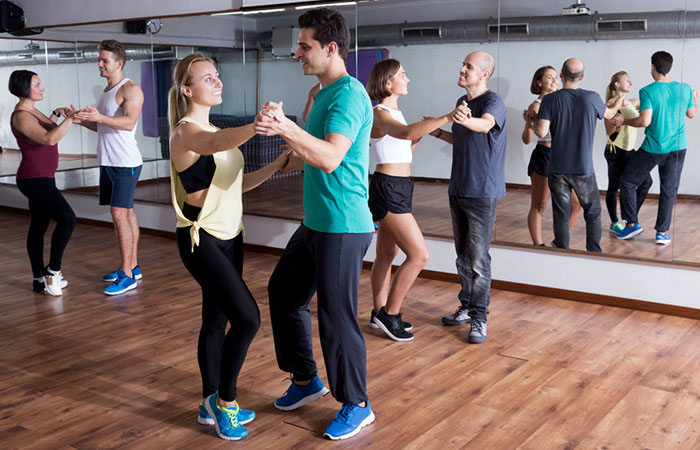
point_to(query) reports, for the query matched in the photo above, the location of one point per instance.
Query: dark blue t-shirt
(479, 159)
(572, 115)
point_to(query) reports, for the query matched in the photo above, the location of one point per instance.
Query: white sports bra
(390, 149)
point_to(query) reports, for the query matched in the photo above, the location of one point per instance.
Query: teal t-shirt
(336, 202)
(668, 103)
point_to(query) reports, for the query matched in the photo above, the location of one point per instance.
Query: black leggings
(46, 203)
(218, 267)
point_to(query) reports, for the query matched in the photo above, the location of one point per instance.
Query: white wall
(433, 70)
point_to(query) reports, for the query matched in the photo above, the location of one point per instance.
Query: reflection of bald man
(478, 141)
(570, 114)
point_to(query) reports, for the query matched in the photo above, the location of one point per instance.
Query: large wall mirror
(430, 39)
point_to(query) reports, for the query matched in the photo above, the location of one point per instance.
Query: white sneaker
(55, 284)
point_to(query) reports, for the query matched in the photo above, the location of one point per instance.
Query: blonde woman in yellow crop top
(620, 147)
(207, 181)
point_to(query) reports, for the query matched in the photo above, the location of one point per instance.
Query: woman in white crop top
(544, 81)
(209, 237)
(390, 195)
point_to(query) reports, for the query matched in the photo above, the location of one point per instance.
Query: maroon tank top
(38, 160)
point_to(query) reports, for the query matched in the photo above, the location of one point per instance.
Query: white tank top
(390, 149)
(115, 148)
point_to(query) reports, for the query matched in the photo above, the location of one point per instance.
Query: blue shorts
(117, 185)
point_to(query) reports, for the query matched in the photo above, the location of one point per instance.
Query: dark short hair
(568, 75)
(379, 75)
(20, 83)
(329, 26)
(662, 62)
(116, 48)
(539, 73)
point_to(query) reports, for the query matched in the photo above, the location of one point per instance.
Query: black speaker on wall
(11, 17)
(136, 26)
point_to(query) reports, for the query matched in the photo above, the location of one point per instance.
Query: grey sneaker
(477, 333)
(459, 317)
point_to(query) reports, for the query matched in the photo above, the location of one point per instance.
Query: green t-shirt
(336, 202)
(668, 103)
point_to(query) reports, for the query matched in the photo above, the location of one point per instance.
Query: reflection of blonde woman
(207, 182)
(620, 147)
(390, 197)
(544, 81)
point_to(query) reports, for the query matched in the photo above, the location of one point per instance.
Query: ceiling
(375, 12)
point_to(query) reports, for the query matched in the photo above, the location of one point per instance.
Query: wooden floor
(87, 371)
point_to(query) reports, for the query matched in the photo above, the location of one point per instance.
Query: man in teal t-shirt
(664, 105)
(325, 253)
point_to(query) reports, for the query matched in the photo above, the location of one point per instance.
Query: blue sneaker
(121, 284)
(244, 416)
(663, 238)
(297, 396)
(136, 271)
(349, 421)
(630, 231)
(225, 419)
(618, 227)
(204, 418)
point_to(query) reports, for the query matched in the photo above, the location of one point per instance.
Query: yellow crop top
(222, 211)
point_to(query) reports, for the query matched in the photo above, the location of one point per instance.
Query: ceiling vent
(621, 26)
(62, 54)
(510, 28)
(427, 32)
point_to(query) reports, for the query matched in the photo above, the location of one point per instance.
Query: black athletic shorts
(388, 193)
(539, 161)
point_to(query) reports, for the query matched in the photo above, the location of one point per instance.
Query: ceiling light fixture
(245, 13)
(325, 4)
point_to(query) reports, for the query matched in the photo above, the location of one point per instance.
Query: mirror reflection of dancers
(544, 81)
(620, 147)
(391, 196)
(37, 137)
(207, 183)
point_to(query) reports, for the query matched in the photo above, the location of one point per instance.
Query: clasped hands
(271, 121)
(462, 113)
(87, 114)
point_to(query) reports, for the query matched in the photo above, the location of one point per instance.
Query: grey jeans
(586, 189)
(472, 225)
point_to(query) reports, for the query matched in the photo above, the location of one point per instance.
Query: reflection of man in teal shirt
(325, 253)
(664, 105)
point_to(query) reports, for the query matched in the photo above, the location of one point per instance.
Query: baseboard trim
(576, 296)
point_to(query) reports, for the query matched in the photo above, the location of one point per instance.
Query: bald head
(484, 61)
(572, 70)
